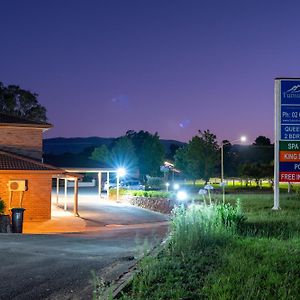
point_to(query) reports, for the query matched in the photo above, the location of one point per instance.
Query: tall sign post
(287, 133)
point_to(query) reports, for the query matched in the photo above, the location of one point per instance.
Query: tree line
(198, 159)
(142, 152)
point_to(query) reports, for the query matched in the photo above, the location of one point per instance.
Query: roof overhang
(33, 126)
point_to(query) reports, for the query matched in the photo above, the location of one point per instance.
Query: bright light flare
(181, 195)
(176, 186)
(121, 172)
(243, 139)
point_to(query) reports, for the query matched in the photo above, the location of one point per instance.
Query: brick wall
(36, 200)
(24, 141)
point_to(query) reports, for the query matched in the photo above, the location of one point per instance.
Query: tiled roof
(13, 120)
(10, 161)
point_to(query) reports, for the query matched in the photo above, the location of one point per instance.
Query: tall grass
(215, 253)
(196, 236)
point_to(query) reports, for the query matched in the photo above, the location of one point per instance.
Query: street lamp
(167, 186)
(241, 139)
(120, 173)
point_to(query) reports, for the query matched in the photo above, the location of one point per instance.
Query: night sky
(104, 67)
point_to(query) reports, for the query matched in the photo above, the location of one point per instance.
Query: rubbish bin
(17, 220)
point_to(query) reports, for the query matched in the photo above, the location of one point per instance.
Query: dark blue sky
(104, 67)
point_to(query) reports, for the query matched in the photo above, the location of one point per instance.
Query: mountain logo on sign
(293, 92)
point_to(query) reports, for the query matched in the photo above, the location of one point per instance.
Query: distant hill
(57, 146)
(75, 152)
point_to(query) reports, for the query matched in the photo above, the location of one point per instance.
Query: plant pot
(5, 226)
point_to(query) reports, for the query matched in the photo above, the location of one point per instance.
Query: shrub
(2, 207)
(198, 223)
(230, 215)
(155, 183)
(150, 194)
(113, 192)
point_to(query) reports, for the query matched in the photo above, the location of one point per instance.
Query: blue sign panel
(290, 132)
(290, 92)
(289, 167)
(290, 115)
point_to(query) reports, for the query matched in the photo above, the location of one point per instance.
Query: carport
(68, 177)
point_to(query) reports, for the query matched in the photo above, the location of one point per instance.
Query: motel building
(25, 181)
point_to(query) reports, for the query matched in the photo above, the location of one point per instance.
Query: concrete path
(107, 239)
(94, 214)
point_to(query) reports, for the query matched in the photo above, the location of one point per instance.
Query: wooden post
(57, 190)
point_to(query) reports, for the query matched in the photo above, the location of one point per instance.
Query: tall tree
(230, 160)
(101, 154)
(262, 141)
(199, 158)
(140, 150)
(121, 154)
(149, 151)
(21, 103)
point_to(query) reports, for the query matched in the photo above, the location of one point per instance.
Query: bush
(2, 207)
(150, 194)
(154, 183)
(230, 215)
(113, 192)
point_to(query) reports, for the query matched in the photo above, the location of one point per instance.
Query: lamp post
(120, 172)
(241, 139)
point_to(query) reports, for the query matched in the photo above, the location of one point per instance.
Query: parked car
(112, 185)
(132, 185)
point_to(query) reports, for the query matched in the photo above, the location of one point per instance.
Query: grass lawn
(255, 259)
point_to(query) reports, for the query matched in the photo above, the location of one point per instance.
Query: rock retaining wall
(162, 205)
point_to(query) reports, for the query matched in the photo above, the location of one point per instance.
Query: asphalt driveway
(59, 266)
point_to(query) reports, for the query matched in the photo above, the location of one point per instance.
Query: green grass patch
(214, 253)
(256, 268)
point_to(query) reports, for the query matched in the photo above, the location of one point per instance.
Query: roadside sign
(290, 91)
(290, 114)
(287, 133)
(289, 167)
(289, 156)
(289, 176)
(290, 132)
(289, 145)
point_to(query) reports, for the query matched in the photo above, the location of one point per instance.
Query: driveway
(59, 266)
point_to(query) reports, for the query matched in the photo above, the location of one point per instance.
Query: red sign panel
(289, 176)
(289, 156)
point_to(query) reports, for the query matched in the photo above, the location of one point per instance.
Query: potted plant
(4, 219)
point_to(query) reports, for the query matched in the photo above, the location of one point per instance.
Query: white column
(57, 190)
(276, 145)
(107, 185)
(118, 186)
(99, 184)
(66, 194)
